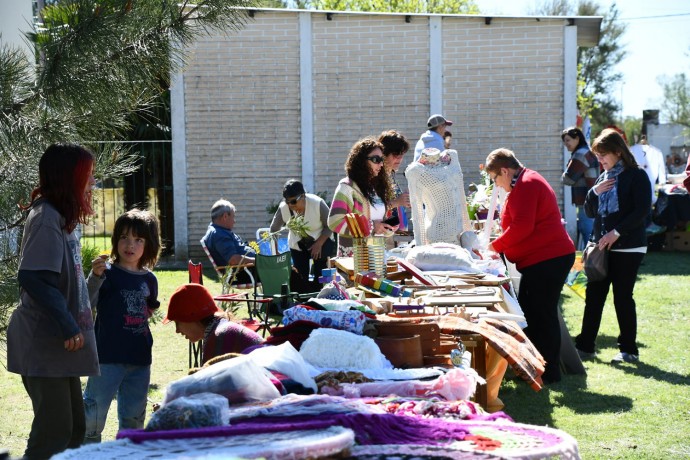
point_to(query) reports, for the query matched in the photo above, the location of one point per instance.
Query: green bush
(88, 253)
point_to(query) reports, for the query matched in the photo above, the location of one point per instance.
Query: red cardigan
(531, 222)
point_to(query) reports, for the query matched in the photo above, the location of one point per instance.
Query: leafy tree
(101, 64)
(275, 4)
(596, 65)
(676, 105)
(632, 126)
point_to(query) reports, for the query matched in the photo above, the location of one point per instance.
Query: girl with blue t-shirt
(124, 295)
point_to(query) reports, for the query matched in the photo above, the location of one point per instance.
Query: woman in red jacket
(535, 240)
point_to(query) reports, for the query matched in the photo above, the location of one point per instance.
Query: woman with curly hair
(366, 189)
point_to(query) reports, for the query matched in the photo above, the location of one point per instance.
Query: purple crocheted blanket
(368, 428)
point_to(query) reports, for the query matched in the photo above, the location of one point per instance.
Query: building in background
(288, 95)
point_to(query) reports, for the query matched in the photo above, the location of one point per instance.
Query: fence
(149, 187)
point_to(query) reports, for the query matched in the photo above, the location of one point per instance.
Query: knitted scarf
(516, 176)
(608, 200)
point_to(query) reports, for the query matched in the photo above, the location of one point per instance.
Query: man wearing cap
(434, 136)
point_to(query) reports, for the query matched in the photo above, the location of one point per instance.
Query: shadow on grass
(640, 369)
(647, 371)
(582, 401)
(527, 406)
(664, 263)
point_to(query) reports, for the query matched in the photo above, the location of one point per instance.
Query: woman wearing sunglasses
(306, 217)
(365, 183)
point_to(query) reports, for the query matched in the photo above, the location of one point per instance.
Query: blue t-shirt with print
(122, 329)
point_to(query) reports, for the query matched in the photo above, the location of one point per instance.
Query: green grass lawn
(626, 411)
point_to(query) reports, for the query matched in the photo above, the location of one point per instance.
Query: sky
(657, 42)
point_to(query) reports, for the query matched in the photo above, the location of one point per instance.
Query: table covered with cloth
(356, 436)
(672, 206)
(505, 338)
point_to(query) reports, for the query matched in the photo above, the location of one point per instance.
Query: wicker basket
(370, 255)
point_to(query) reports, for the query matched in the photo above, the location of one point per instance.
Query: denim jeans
(130, 383)
(584, 227)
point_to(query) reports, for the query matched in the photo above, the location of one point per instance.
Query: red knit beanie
(190, 303)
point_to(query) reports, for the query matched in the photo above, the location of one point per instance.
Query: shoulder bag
(595, 262)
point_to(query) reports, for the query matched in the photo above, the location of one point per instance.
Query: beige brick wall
(503, 87)
(367, 86)
(242, 122)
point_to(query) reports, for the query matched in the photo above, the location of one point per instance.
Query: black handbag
(595, 262)
(305, 243)
(327, 250)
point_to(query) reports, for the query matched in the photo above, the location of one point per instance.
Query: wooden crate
(677, 241)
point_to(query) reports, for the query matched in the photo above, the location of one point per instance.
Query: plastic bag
(195, 411)
(442, 256)
(285, 359)
(238, 379)
(455, 385)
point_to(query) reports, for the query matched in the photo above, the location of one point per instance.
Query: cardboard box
(677, 241)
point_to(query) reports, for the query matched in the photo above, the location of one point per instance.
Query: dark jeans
(300, 259)
(58, 415)
(623, 268)
(540, 291)
(243, 278)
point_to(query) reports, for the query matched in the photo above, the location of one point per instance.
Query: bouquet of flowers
(265, 243)
(479, 199)
(298, 226)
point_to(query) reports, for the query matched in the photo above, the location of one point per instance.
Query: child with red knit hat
(197, 317)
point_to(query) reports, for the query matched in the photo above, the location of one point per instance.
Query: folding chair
(195, 276)
(275, 272)
(227, 273)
